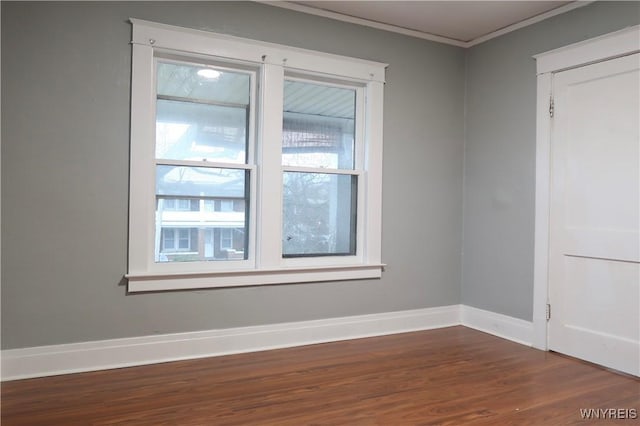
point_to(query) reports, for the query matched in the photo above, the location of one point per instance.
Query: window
(176, 240)
(226, 239)
(320, 180)
(177, 204)
(251, 163)
(226, 205)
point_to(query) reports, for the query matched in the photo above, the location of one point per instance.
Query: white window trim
(266, 264)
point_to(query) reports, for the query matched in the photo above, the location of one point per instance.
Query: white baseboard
(509, 328)
(117, 353)
(101, 355)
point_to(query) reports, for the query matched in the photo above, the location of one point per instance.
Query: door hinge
(548, 312)
(551, 107)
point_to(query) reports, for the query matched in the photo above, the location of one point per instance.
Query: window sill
(185, 281)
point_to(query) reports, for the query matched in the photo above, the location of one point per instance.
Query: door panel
(594, 255)
(608, 288)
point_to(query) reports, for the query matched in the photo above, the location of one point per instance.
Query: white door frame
(609, 46)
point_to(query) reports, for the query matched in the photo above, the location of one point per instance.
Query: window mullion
(269, 227)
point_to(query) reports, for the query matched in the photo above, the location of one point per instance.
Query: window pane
(194, 131)
(170, 204)
(183, 239)
(176, 240)
(203, 83)
(319, 216)
(318, 126)
(226, 205)
(169, 242)
(226, 238)
(202, 232)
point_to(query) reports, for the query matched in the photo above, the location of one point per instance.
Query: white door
(594, 251)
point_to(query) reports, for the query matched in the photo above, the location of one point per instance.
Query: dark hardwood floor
(450, 376)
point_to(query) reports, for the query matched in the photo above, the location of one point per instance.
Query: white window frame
(273, 63)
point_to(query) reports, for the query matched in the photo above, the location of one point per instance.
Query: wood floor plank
(449, 376)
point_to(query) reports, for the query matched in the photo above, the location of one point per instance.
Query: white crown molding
(409, 32)
(530, 21)
(364, 22)
(423, 35)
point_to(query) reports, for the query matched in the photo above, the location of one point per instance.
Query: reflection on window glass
(192, 131)
(318, 126)
(202, 113)
(319, 214)
(205, 83)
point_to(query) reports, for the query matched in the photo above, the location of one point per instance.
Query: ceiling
(462, 23)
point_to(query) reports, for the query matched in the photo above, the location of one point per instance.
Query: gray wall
(65, 142)
(500, 154)
(65, 123)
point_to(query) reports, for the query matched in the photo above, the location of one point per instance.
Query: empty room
(343, 212)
